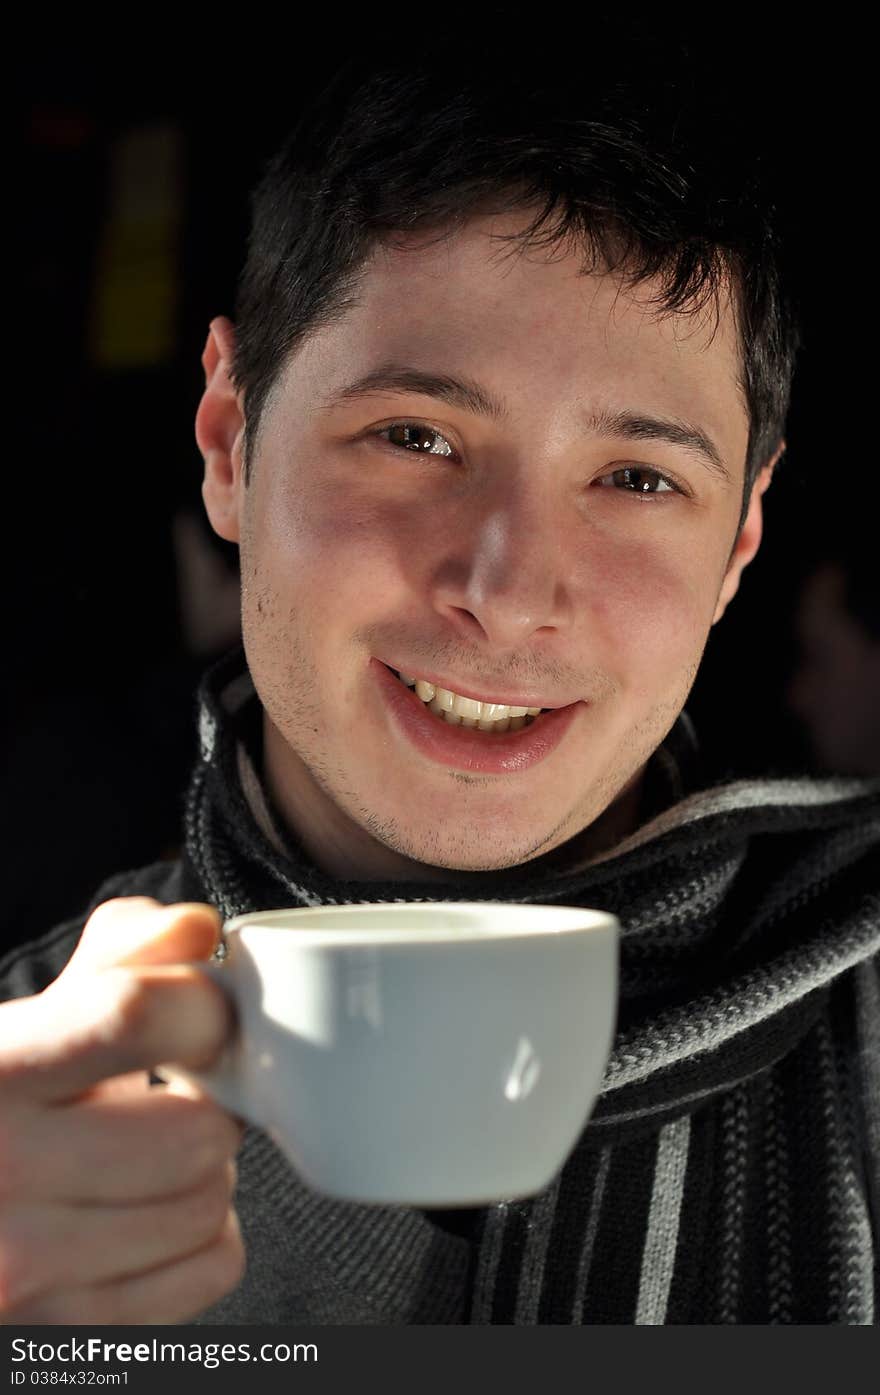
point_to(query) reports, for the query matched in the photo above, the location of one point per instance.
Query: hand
(115, 1196)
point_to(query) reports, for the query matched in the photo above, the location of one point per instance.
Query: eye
(419, 440)
(633, 479)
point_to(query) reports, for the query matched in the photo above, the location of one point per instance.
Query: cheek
(320, 552)
(652, 608)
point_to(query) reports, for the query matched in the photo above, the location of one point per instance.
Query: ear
(220, 433)
(749, 539)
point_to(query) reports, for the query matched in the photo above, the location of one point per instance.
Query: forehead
(540, 333)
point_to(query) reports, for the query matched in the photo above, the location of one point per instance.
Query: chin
(499, 863)
(475, 858)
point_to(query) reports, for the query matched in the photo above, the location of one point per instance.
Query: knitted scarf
(729, 1173)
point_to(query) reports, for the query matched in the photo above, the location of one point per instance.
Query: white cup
(444, 1054)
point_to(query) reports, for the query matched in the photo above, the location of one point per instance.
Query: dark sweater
(729, 1173)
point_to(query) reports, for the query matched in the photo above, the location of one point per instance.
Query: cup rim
(535, 921)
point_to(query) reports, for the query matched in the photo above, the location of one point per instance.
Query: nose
(503, 580)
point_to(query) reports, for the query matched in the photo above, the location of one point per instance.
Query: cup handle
(222, 1081)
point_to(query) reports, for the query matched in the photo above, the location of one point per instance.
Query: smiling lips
(467, 734)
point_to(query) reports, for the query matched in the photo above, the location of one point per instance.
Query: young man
(507, 386)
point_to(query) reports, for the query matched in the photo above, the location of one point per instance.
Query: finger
(137, 929)
(46, 1248)
(118, 1145)
(171, 1294)
(116, 1021)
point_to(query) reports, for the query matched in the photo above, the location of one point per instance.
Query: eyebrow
(470, 396)
(639, 426)
(464, 393)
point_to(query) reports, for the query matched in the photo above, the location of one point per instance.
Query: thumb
(138, 930)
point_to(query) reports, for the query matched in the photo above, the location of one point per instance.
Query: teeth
(467, 712)
(469, 708)
(494, 711)
(466, 707)
(434, 706)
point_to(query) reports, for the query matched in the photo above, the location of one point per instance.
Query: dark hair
(644, 178)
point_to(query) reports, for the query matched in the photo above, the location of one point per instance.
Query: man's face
(502, 555)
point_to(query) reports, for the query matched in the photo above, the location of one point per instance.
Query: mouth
(462, 732)
(457, 710)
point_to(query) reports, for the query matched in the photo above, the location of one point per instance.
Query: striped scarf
(729, 1173)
